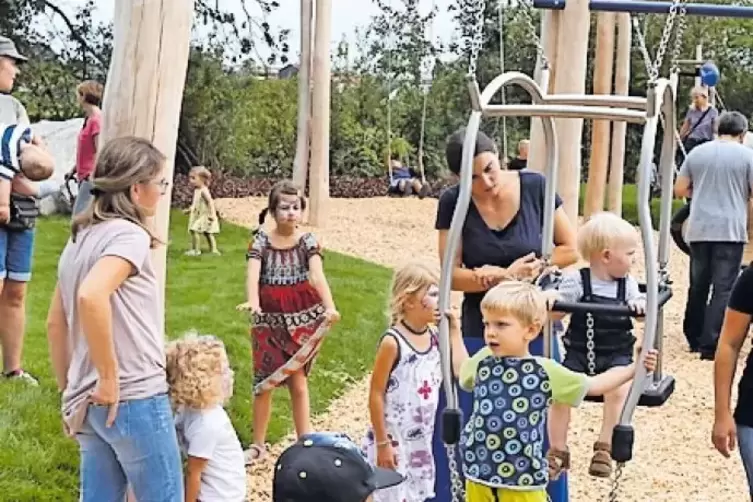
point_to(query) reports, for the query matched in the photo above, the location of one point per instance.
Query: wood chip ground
(674, 460)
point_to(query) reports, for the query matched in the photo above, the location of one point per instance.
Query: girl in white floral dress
(405, 387)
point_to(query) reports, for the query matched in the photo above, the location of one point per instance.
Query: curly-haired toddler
(200, 380)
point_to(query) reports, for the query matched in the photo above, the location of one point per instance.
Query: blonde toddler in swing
(292, 309)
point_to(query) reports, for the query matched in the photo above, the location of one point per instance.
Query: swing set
(659, 105)
(427, 77)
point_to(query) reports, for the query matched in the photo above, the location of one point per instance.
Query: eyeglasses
(163, 185)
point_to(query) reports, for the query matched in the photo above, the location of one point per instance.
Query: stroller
(65, 199)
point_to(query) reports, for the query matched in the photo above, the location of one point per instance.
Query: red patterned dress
(288, 333)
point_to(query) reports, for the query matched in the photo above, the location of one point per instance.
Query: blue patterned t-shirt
(502, 443)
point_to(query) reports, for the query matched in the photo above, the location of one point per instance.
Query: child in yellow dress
(202, 218)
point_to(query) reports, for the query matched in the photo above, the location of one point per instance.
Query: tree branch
(72, 28)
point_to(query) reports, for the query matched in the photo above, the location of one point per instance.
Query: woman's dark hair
(454, 150)
(284, 187)
(732, 124)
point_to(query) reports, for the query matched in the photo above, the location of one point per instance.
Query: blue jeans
(16, 252)
(745, 445)
(140, 449)
(83, 197)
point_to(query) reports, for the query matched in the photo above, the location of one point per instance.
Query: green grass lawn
(38, 463)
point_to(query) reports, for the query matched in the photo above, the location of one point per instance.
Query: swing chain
(590, 345)
(526, 8)
(681, 23)
(456, 484)
(652, 68)
(616, 482)
(664, 42)
(477, 33)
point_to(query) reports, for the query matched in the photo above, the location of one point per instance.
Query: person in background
(735, 429)
(718, 175)
(698, 126)
(89, 95)
(521, 161)
(405, 181)
(15, 266)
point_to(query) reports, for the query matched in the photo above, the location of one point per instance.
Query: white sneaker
(22, 376)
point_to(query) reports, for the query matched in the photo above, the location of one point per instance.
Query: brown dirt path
(673, 457)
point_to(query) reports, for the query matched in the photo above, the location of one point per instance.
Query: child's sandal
(601, 462)
(558, 460)
(254, 454)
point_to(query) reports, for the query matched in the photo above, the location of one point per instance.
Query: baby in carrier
(21, 163)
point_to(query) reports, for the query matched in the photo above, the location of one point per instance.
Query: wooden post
(301, 163)
(145, 86)
(572, 52)
(548, 35)
(603, 69)
(619, 129)
(319, 183)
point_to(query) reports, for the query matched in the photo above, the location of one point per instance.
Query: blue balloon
(709, 74)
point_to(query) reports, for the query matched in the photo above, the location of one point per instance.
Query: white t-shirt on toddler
(209, 434)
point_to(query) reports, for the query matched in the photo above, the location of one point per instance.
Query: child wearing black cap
(327, 467)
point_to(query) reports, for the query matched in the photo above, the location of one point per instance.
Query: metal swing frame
(660, 101)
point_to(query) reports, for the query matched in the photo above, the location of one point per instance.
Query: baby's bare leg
(613, 403)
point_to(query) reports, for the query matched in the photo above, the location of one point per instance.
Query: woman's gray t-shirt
(136, 330)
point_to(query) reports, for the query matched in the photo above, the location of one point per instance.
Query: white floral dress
(410, 409)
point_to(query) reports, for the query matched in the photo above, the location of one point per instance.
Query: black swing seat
(655, 393)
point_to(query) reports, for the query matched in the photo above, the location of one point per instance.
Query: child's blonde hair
(198, 371)
(604, 231)
(408, 280)
(202, 172)
(521, 300)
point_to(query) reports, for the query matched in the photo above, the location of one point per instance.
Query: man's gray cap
(8, 49)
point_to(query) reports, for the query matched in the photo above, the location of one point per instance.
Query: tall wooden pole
(145, 86)
(319, 183)
(570, 78)
(301, 163)
(603, 69)
(548, 36)
(619, 129)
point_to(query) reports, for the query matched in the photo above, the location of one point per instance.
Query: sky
(348, 15)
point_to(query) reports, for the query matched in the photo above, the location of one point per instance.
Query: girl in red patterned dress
(292, 309)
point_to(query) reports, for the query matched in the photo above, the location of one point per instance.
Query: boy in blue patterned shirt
(502, 443)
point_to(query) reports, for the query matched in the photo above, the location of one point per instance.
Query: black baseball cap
(327, 467)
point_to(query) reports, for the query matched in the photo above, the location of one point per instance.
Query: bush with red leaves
(226, 186)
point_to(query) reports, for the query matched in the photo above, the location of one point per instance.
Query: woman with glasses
(105, 336)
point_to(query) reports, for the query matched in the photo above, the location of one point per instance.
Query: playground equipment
(659, 104)
(427, 77)
(144, 90)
